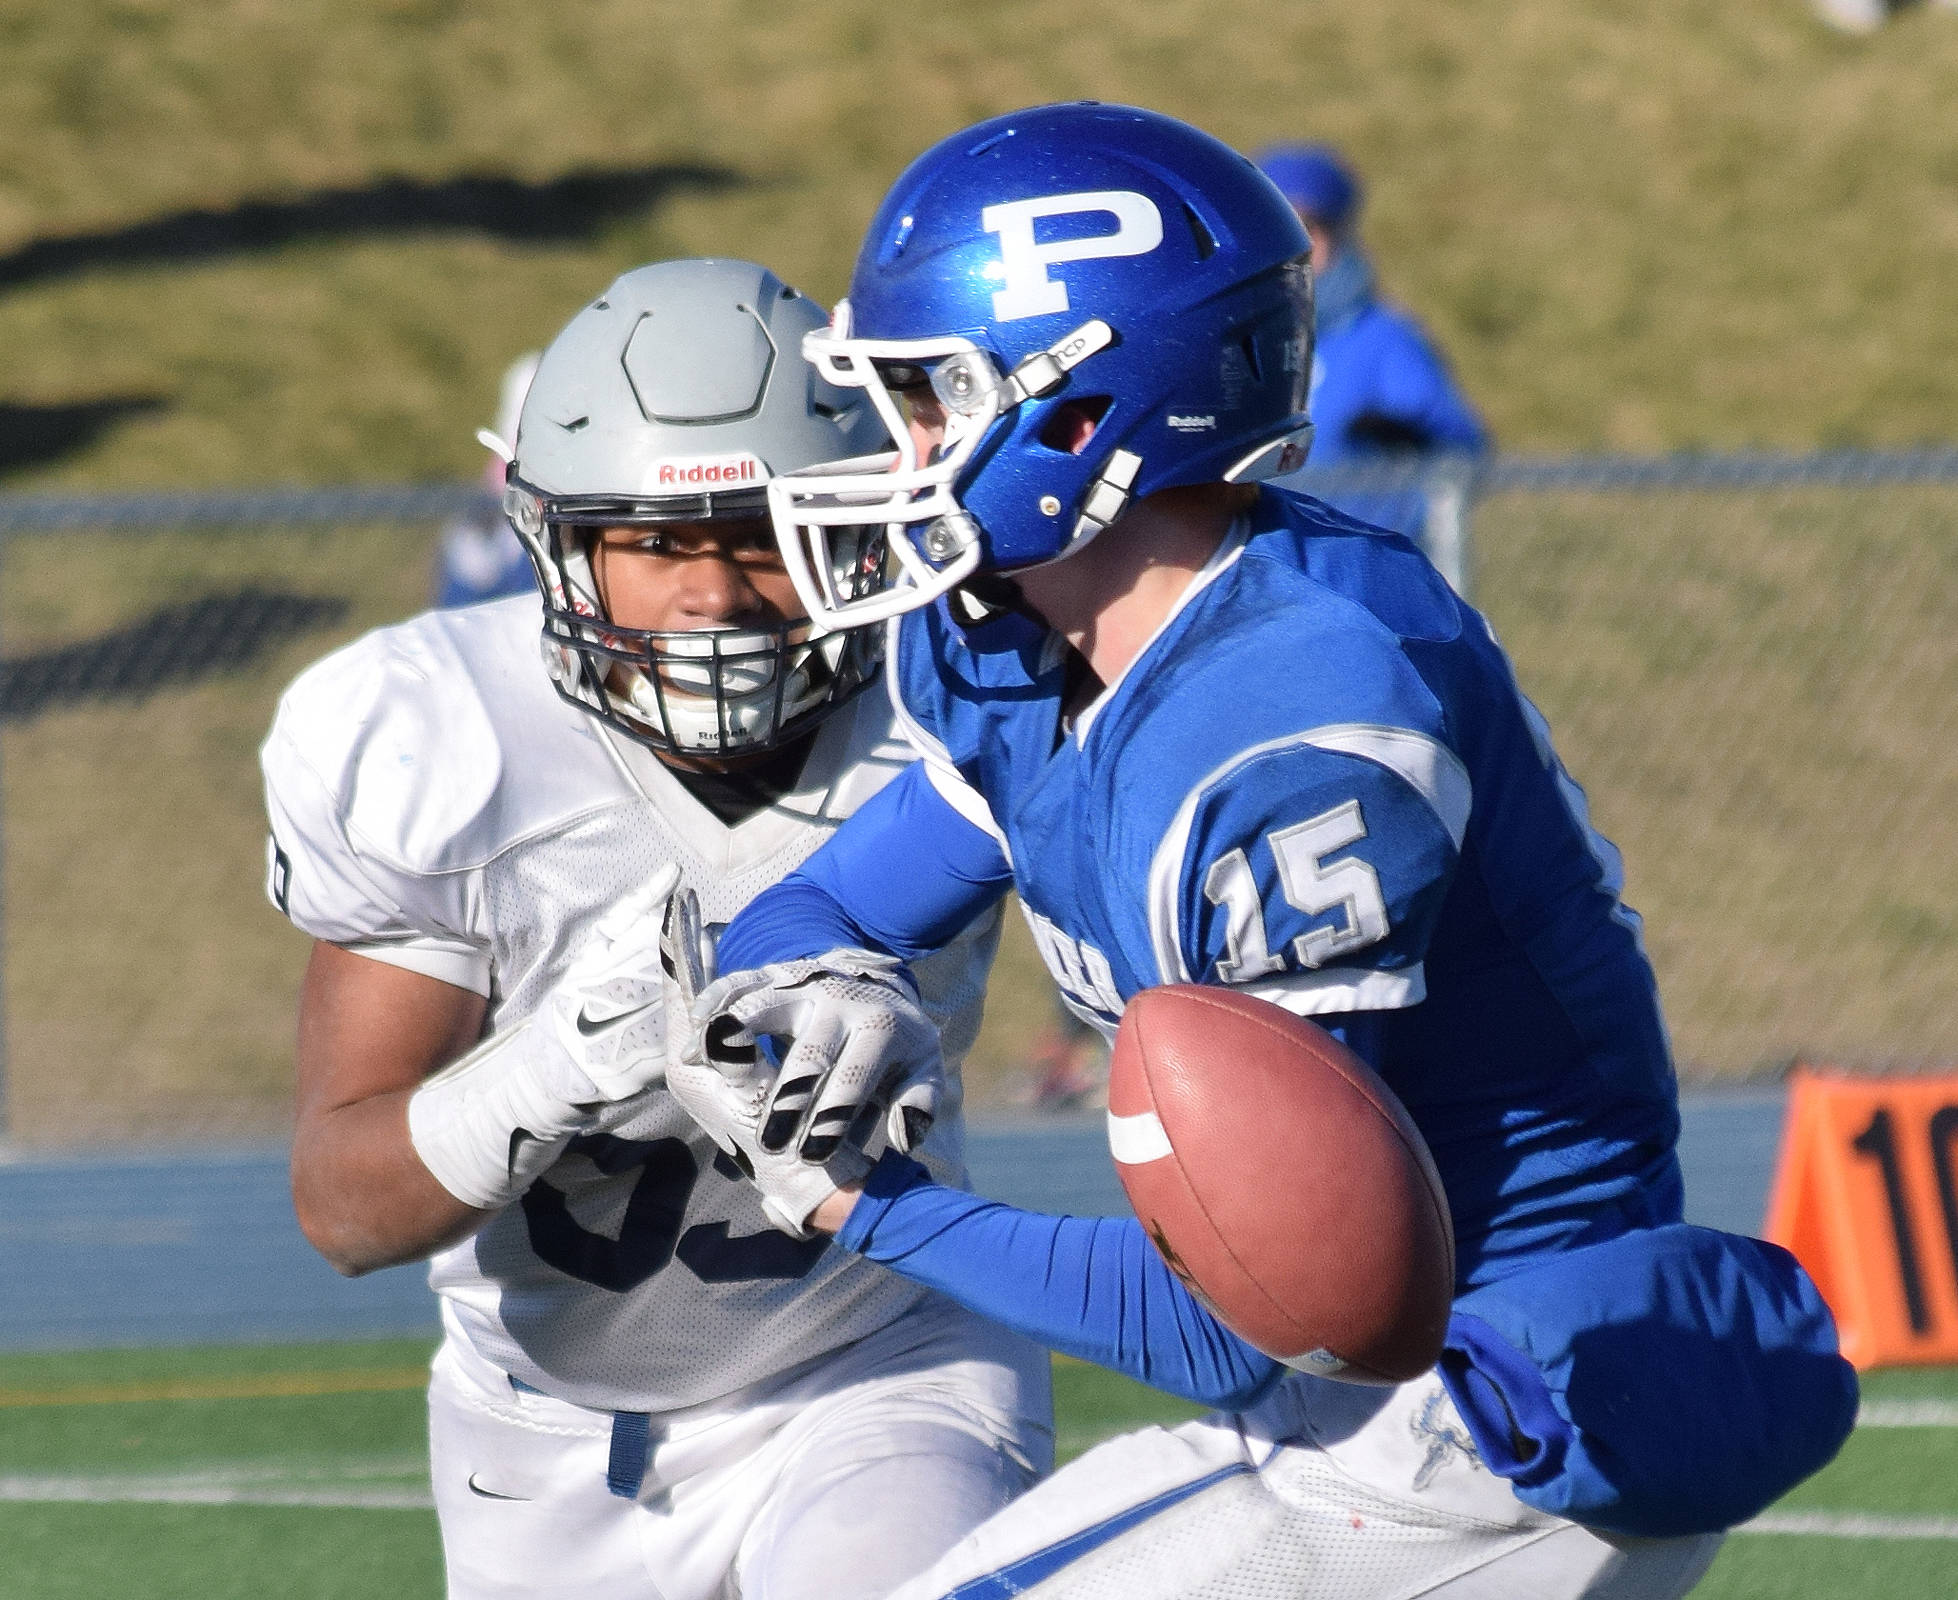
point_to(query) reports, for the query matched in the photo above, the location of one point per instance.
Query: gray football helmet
(675, 397)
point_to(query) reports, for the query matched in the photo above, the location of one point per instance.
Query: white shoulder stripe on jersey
(1428, 767)
(923, 742)
(1132, 1141)
(967, 801)
(1611, 865)
(1336, 989)
(946, 778)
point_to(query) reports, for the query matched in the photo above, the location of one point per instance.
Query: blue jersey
(1319, 784)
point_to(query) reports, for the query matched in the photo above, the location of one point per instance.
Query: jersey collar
(729, 848)
(1220, 562)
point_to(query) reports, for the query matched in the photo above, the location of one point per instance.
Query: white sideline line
(210, 1490)
(1908, 1414)
(229, 1491)
(1852, 1525)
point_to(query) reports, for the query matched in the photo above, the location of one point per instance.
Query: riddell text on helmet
(679, 471)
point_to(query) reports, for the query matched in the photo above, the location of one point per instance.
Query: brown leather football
(1283, 1183)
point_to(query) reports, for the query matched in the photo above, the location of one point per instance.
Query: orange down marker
(1866, 1196)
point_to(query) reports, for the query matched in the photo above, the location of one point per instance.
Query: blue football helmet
(1065, 270)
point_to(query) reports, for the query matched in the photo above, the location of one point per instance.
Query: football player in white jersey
(643, 1388)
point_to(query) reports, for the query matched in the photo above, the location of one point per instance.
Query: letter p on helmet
(1029, 292)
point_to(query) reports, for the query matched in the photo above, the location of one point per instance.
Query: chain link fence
(1751, 663)
(148, 987)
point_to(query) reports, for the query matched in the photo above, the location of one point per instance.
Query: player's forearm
(364, 1198)
(1087, 1286)
(370, 1033)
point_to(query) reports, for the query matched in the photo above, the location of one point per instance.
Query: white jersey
(435, 804)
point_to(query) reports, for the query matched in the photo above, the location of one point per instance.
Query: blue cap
(1314, 179)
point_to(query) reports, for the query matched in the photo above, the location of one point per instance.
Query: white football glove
(607, 1012)
(722, 1083)
(860, 1043)
(489, 1123)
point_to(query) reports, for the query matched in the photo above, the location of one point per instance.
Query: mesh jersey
(432, 798)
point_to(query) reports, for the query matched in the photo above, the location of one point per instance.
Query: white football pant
(837, 1482)
(1323, 1491)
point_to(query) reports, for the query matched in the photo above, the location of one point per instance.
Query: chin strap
(1108, 495)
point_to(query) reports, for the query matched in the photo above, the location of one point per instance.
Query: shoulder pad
(407, 730)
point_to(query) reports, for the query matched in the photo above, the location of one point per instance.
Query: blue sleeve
(1314, 869)
(903, 875)
(1672, 1380)
(1092, 1287)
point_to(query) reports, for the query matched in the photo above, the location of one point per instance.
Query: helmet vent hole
(576, 424)
(1206, 241)
(1073, 424)
(1249, 345)
(601, 305)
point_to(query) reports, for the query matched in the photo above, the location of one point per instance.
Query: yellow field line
(258, 1386)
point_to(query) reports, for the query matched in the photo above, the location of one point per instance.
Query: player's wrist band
(484, 1127)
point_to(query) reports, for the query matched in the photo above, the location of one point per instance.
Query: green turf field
(298, 1471)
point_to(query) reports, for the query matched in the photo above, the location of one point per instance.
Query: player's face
(924, 413)
(682, 576)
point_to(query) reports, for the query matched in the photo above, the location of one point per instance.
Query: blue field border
(202, 1247)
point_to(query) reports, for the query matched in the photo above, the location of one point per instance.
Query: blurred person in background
(1867, 16)
(1381, 392)
(480, 558)
(643, 1388)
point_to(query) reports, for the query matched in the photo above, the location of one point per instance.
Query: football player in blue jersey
(1214, 732)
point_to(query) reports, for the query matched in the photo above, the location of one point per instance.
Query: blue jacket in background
(1382, 392)
(480, 559)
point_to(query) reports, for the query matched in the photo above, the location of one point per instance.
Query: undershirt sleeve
(1092, 1287)
(904, 875)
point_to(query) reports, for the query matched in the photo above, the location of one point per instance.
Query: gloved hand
(718, 1076)
(488, 1123)
(859, 1043)
(606, 1013)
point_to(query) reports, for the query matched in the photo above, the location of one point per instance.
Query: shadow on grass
(175, 645)
(34, 436)
(566, 208)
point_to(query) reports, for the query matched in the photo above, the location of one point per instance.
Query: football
(1283, 1183)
